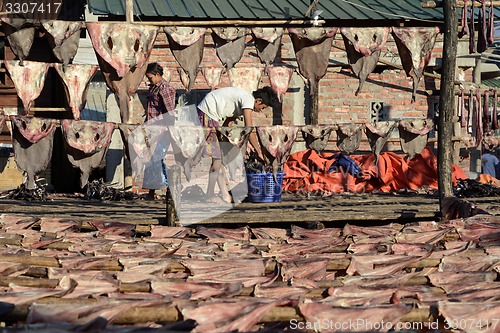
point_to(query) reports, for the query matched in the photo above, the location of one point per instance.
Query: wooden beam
(253, 23)
(447, 102)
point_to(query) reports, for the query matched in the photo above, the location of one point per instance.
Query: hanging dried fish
(478, 116)
(413, 135)
(472, 38)
(464, 114)
(482, 44)
(464, 24)
(486, 116)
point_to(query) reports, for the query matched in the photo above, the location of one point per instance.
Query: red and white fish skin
(279, 79)
(480, 317)
(277, 142)
(241, 234)
(185, 79)
(237, 136)
(35, 156)
(56, 225)
(122, 45)
(270, 233)
(247, 271)
(315, 312)
(280, 291)
(76, 78)
(229, 315)
(212, 75)
(247, 78)
(185, 36)
(196, 291)
(33, 129)
(366, 40)
(87, 136)
(167, 232)
(311, 269)
(28, 80)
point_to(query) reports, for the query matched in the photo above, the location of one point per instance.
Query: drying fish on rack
(122, 51)
(378, 133)
(279, 79)
(212, 76)
(187, 144)
(363, 47)
(349, 137)
(146, 147)
(20, 34)
(64, 37)
(229, 44)
(472, 29)
(187, 44)
(28, 79)
(276, 142)
(267, 43)
(32, 139)
(316, 136)
(233, 143)
(413, 135)
(312, 49)
(76, 78)
(415, 46)
(86, 144)
(236, 136)
(247, 78)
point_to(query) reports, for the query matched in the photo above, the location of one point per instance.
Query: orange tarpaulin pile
(308, 171)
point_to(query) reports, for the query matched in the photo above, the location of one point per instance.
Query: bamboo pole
(252, 23)
(447, 102)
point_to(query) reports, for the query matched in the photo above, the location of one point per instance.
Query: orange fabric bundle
(308, 171)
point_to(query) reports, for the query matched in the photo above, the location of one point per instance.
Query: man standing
(222, 107)
(161, 101)
(490, 164)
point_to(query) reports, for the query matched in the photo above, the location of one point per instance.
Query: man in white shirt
(222, 107)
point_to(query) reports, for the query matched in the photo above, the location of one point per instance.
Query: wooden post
(129, 11)
(447, 101)
(173, 195)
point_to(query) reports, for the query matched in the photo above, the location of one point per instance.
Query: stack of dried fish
(470, 188)
(97, 189)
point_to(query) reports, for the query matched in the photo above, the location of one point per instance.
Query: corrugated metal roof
(270, 9)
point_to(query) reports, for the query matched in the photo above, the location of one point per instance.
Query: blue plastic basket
(263, 188)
